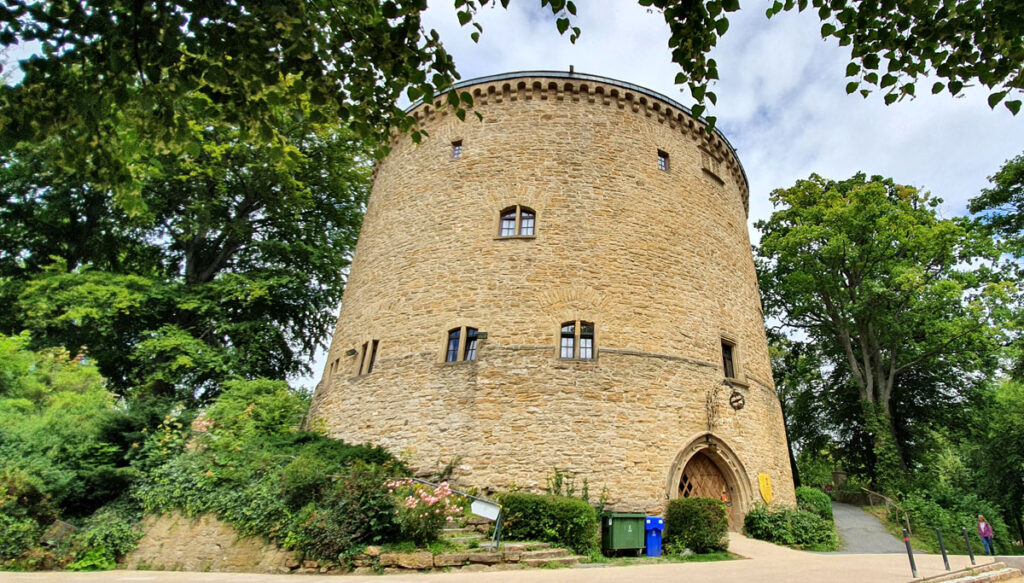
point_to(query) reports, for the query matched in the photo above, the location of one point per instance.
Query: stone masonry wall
(659, 261)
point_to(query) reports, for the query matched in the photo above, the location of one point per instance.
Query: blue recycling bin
(653, 525)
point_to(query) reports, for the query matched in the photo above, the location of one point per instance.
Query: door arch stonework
(715, 451)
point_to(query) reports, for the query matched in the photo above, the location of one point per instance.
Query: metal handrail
(889, 502)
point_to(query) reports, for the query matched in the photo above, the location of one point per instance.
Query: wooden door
(702, 479)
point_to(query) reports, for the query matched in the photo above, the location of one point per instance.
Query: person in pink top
(985, 532)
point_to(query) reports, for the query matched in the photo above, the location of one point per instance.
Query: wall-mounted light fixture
(350, 352)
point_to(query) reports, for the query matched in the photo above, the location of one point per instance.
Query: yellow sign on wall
(765, 484)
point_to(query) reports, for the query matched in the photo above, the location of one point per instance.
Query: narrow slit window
(471, 336)
(728, 366)
(452, 354)
(362, 359)
(373, 356)
(456, 149)
(663, 160)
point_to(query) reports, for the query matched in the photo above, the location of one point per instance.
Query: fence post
(970, 551)
(910, 553)
(942, 546)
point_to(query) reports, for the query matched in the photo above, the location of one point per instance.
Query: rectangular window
(471, 336)
(362, 359)
(586, 341)
(526, 223)
(456, 149)
(727, 361)
(452, 354)
(568, 340)
(663, 160)
(373, 357)
(508, 224)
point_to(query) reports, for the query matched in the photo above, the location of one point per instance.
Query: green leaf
(852, 86)
(464, 17)
(697, 111)
(887, 80)
(721, 26)
(730, 5)
(938, 87)
(827, 29)
(890, 98)
(1013, 106)
(852, 69)
(996, 97)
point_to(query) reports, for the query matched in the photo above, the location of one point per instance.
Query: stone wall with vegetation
(658, 260)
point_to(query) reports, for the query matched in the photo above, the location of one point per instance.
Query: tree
(123, 83)
(886, 289)
(234, 270)
(1000, 428)
(1002, 205)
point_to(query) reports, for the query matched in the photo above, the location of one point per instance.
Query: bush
(568, 522)
(795, 528)
(423, 511)
(814, 501)
(951, 514)
(17, 535)
(111, 533)
(699, 524)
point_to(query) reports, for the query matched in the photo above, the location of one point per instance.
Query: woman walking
(985, 532)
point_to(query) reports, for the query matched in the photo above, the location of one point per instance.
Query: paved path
(862, 532)
(765, 562)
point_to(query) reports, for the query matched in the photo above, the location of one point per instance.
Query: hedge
(814, 500)
(567, 522)
(699, 524)
(795, 528)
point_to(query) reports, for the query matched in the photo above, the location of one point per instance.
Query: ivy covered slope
(71, 452)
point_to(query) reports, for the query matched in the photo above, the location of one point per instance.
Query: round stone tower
(563, 284)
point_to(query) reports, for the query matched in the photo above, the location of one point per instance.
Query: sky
(782, 101)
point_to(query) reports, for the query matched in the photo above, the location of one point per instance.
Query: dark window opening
(373, 357)
(470, 352)
(456, 149)
(663, 160)
(727, 361)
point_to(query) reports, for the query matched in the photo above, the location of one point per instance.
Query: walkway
(863, 533)
(766, 562)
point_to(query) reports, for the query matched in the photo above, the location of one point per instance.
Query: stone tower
(566, 283)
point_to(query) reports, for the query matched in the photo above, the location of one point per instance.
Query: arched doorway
(708, 468)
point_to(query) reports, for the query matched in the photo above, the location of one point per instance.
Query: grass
(645, 560)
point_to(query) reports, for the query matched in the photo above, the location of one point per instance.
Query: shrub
(568, 522)
(950, 515)
(699, 524)
(109, 534)
(795, 528)
(423, 511)
(815, 501)
(17, 535)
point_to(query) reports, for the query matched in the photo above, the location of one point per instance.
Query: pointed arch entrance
(708, 467)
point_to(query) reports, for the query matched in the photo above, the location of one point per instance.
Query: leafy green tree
(866, 270)
(999, 457)
(124, 83)
(234, 270)
(1002, 205)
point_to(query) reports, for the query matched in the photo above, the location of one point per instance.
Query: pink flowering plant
(422, 511)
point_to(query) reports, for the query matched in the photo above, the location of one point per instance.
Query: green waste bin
(622, 531)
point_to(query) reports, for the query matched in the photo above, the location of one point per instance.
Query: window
(368, 356)
(456, 149)
(663, 160)
(728, 367)
(453, 346)
(462, 343)
(577, 340)
(470, 352)
(517, 220)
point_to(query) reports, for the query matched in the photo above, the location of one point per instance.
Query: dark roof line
(599, 79)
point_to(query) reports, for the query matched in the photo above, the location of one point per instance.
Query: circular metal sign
(736, 400)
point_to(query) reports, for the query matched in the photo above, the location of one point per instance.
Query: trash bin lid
(655, 523)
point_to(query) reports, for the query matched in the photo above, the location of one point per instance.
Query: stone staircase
(526, 554)
(980, 574)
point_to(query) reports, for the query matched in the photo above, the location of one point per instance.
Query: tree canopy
(893, 297)
(120, 84)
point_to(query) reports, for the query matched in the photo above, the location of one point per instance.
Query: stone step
(458, 531)
(543, 554)
(467, 539)
(979, 574)
(517, 547)
(569, 560)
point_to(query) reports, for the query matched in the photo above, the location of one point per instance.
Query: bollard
(967, 539)
(910, 553)
(945, 559)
